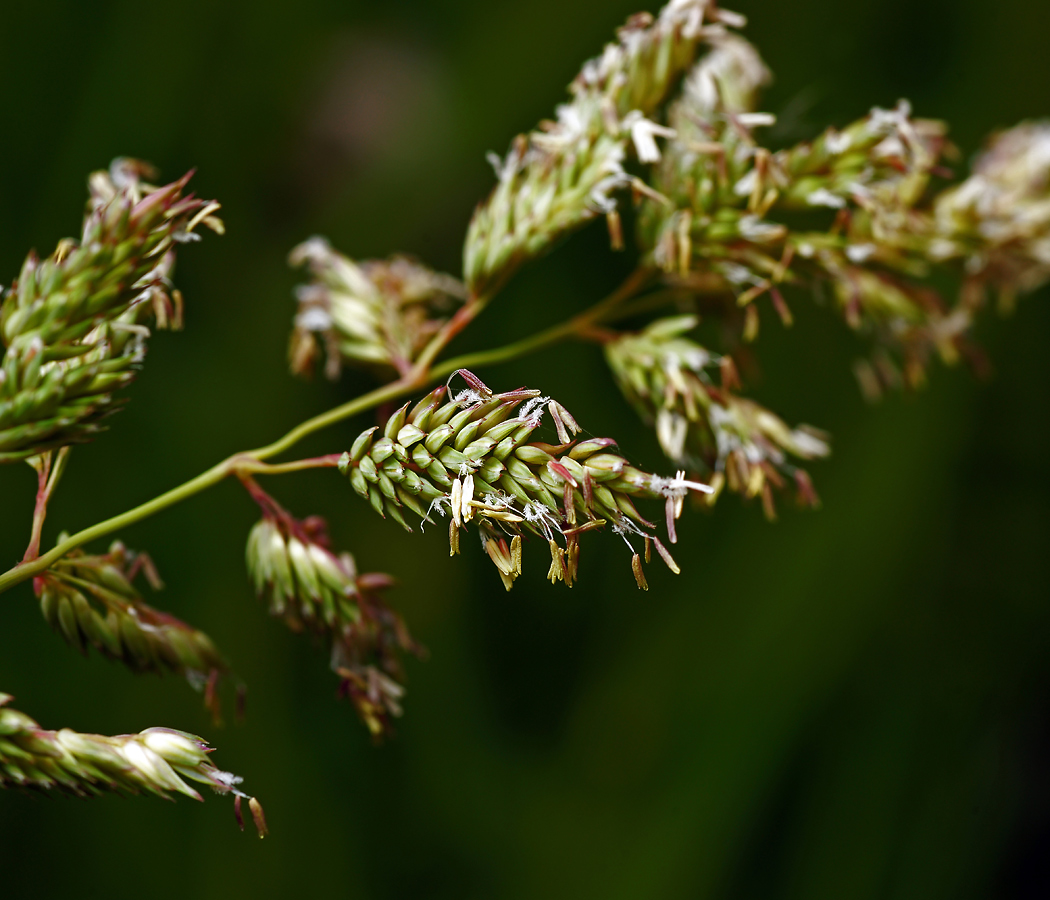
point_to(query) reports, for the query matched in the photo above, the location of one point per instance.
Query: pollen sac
(377, 313)
(480, 467)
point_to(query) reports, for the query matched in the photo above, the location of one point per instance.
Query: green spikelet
(92, 602)
(74, 325)
(471, 456)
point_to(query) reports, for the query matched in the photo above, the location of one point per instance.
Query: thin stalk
(574, 327)
(252, 460)
(460, 320)
(252, 466)
(333, 416)
(39, 508)
(205, 480)
(49, 472)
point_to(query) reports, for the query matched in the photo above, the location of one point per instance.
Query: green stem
(251, 466)
(575, 326)
(252, 460)
(202, 482)
(462, 318)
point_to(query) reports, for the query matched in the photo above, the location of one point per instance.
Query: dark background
(850, 703)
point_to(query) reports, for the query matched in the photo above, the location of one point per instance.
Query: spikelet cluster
(732, 202)
(92, 602)
(567, 173)
(998, 220)
(469, 456)
(74, 325)
(724, 216)
(728, 440)
(291, 564)
(377, 313)
(156, 761)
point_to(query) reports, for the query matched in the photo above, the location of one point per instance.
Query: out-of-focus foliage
(850, 703)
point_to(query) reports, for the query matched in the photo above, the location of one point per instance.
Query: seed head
(716, 229)
(158, 761)
(376, 313)
(561, 176)
(74, 325)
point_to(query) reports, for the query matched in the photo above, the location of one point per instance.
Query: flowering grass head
(74, 325)
(726, 227)
(469, 456)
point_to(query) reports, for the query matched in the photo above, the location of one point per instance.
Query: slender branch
(460, 320)
(337, 414)
(252, 466)
(203, 481)
(49, 470)
(252, 460)
(576, 326)
(39, 507)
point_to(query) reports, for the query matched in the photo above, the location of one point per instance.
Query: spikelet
(706, 429)
(155, 761)
(378, 313)
(91, 601)
(312, 589)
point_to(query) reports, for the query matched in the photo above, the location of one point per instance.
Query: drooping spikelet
(92, 602)
(705, 428)
(154, 761)
(291, 564)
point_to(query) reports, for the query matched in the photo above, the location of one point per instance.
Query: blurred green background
(853, 703)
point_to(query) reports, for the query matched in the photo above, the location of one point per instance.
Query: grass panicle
(727, 228)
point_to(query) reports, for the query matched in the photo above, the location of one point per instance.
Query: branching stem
(578, 326)
(421, 374)
(49, 469)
